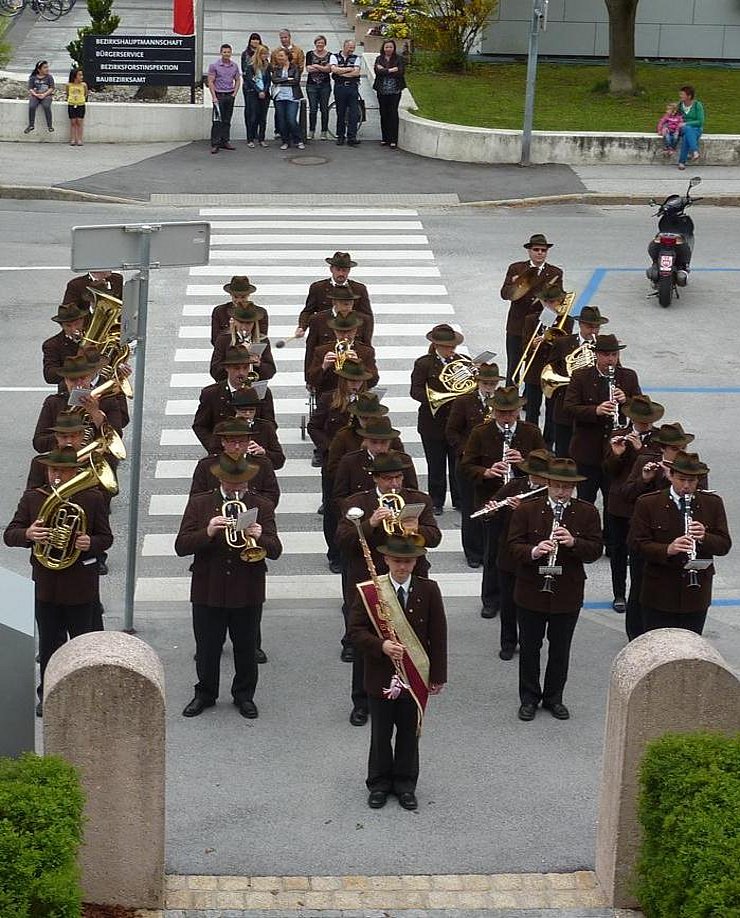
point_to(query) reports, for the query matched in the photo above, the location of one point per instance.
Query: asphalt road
(285, 794)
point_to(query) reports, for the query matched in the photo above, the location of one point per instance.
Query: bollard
(104, 712)
(665, 681)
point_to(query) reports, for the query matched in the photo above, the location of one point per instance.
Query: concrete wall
(665, 28)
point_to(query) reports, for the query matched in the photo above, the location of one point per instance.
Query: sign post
(139, 247)
(539, 21)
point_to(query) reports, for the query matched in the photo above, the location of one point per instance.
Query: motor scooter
(671, 247)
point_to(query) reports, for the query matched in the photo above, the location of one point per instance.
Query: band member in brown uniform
(467, 412)
(491, 454)
(244, 331)
(320, 293)
(333, 407)
(621, 455)
(65, 343)
(227, 592)
(422, 619)
(589, 322)
(66, 600)
(551, 604)
(239, 289)
(440, 455)
(523, 284)
(321, 376)
(342, 302)
(670, 528)
(106, 281)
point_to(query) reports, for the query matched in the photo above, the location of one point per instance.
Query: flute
(500, 504)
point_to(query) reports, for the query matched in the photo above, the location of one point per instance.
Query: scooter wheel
(665, 290)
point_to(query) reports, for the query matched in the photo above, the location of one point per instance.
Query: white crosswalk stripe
(283, 256)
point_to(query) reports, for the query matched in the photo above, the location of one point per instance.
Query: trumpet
(552, 568)
(395, 503)
(495, 505)
(247, 546)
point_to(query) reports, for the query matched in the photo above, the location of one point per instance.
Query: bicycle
(333, 118)
(50, 10)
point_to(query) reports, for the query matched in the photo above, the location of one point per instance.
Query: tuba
(582, 357)
(247, 547)
(459, 377)
(67, 520)
(104, 334)
(395, 503)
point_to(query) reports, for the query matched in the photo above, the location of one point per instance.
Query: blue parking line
(589, 290)
(715, 602)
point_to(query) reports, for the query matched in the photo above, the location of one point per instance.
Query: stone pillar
(104, 713)
(665, 681)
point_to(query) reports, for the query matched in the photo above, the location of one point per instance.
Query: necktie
(682, 505)
(401, 598)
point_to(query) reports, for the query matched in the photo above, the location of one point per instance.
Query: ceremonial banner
(183, 19)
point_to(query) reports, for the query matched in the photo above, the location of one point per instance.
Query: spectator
(318, 86)
(256, 75)
(224, 80)
(76, 100)
(40, 92)
(295, 54)
(669, 128)
(345, 68)
(254, 42)
(692, 112)
(389, 83)
(287, 95)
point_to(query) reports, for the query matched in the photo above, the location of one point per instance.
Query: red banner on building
(183, 18)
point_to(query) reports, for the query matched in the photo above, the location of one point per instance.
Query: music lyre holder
(554, 570)
(698, 564)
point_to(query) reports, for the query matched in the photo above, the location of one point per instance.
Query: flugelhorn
(394, 502)
(246, 545)
(344, 350)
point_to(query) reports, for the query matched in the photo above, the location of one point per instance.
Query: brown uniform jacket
(266, 369)
(530, 524)
(501, 520)
(264, 483)
(215, 406)
(467, 412)
(544, 351)
(79, 583)
(321, 380)
(317, 300)
(220, 321)
(43, 438)
(485, 447)
(586, 390)
(426, 371)
(618, 469)
(426, 615)
(351, 477)
(348, 440)
(656, 522)
(521, 307)
(220, 577)
(76, 290)
(349, 543)
(326, 422)
(319, 333)
(54, 350)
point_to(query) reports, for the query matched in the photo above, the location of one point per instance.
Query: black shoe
(558, 710)
(489, 612)
(437, 510)
(247, 709)
(377, 799)
(261, 656)
(335, 567)
(408, 800)
(40, 709)
(506, 653)
(348, 654)
(358, 717)
(316, 459)
(320, 511)
(475, 563)
(197, 706)
(353, 143)
(340, 141)
(102, 568)
(619, 605)
(527, 711)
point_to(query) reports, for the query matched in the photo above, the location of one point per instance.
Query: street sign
(117, 246)
(157, 60)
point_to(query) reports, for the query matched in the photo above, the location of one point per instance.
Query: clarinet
(693, 583)
(615, 422)
(551, 569)
(508, 437)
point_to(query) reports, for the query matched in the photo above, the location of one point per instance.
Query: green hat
(688, 464)
(368, 404)
(384, 463)
(63, 458)
(538, 239)
(378, 429)
(78, 366)
(672, 435)
(592, 315)
(234, 471)
(235, 356)
(397, 546)
(245, 397)
(488, 372)
(506, 398)
(239, 284)
(70, 312)
(563, 470)
(232, 427)
(536, 462)
(354, 369)
(642, 408)
(445, 334)
(608, 344)
(69, 421)
(345, 323)
(341, 292)
(249, 312)
(341, 260)
(553, 292)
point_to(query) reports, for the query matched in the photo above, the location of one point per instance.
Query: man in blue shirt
(224, 80)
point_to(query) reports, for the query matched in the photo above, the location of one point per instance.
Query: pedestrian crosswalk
(282, 253)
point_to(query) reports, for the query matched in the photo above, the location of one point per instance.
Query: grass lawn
(571, 96)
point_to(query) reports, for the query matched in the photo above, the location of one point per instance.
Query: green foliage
(5, 48)
(450, 28)
(690, 813)
(103, 22)
(40, 832)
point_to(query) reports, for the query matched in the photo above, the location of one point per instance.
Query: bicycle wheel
(333, 118)
(50, 10)
(12, 7)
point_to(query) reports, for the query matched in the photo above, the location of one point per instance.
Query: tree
(103, 22)
(622, 15)
(451, 28)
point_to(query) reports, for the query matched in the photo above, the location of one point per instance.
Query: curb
(50, 193)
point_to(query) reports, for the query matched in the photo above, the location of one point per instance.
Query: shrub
(103, 23)
(40, 832)
(689, 809)
(451, 28)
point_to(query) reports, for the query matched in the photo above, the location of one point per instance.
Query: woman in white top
(287, 95)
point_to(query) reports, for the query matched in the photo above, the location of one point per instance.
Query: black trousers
(559, 627)
(619, 554)
(490, 591)
(633, 619)
(514, 348)
(596, 480)
(533, 395)
(393, 767)
(471, 531)
(441, 462)
(210, 624)
(509, 630)
(318, 99)
(255, 115)
(563, 434)
(329, 518)
(359, 695)
(388, 106)
(652, 619)
(348, 110)
(548, 431)
(221, 129)
(55, 623)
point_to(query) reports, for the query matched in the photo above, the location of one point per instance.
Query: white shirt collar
(676, 498)
(406, 585)
(237, 496)
(512, 427)
(538, 268)
(565, 503)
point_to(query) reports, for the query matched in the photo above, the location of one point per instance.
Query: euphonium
(459, 377)
(343, 349)
(248, 548)
(393, 501)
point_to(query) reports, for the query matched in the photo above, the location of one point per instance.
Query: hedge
(689, 808)
(40, 833)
